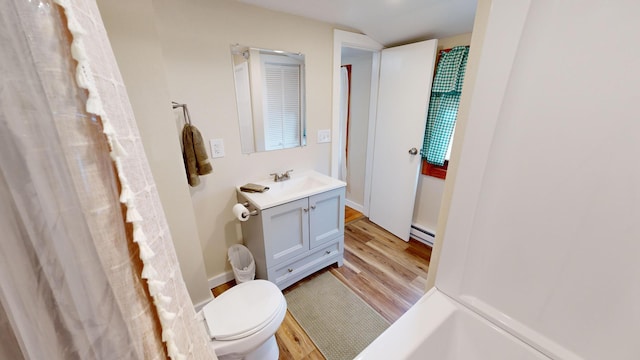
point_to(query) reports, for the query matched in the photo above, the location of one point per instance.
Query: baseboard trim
(220, 279)
(201, 304)
(423, 234)
(354, 206)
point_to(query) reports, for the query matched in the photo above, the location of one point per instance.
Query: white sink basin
(300, 185)
(296, 185)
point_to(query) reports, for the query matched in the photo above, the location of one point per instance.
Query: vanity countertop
(299, 186)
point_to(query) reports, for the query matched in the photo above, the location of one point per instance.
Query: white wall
(360, 62)
(457, 40)
(475, 50)
(428, 199)
(571, 291)
(430, 189)
(137, 49)
(196, 37)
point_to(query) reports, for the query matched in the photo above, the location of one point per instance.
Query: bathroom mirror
(270, 96)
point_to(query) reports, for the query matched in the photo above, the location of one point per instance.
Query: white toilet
(243, 320)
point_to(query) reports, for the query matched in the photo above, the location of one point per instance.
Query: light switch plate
(217, 148)
(324, 136)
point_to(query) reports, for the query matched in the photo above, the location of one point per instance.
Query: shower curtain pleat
(71, 276)
(9, 347)
(53, 288)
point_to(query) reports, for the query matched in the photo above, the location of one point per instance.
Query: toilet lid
(243, 310)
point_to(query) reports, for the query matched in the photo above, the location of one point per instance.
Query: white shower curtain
(344, 115)
(87, 265)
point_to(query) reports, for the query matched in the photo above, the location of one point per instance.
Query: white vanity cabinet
(292, 240)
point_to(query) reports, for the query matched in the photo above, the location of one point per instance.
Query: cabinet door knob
(313, 206)
(290, 270)
(327, 252)
(305, 210)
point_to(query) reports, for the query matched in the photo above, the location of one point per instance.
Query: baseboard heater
(422, 235)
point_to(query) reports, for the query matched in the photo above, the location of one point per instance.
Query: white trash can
(244, 267)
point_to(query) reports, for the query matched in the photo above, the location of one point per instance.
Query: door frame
(362, 42)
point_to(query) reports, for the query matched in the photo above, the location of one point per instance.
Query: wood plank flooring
(386, 272)
(351, 215)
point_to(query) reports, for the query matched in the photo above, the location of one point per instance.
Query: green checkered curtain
(443, 105)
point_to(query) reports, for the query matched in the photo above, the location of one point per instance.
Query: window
(282, 105)
(439, 171)
(443, 110)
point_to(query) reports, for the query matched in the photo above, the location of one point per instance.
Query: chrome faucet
(282, 177)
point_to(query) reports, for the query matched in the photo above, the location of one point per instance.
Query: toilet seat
(243, 310)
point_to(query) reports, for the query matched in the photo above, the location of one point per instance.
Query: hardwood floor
(351, 215)
(386, 272)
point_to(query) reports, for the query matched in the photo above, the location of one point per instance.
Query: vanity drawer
(286, 274)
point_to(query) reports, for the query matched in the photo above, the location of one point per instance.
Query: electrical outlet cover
(217, 148)
(324, 136)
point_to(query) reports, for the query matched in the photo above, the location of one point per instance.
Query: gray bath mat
(336, 319)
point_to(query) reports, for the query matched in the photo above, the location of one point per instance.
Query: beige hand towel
(194, 153)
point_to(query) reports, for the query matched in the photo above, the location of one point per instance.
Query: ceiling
(389, 22)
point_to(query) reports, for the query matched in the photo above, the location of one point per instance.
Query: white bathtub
(437, 327)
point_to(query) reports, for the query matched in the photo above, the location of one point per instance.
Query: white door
(403, 97)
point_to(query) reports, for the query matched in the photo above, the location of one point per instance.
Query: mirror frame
(250, 95)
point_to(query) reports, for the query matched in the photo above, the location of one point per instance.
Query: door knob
(413, 151)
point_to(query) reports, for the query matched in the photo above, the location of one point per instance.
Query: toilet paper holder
(253, 212)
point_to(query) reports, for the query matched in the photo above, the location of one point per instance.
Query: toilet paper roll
(240, 212)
